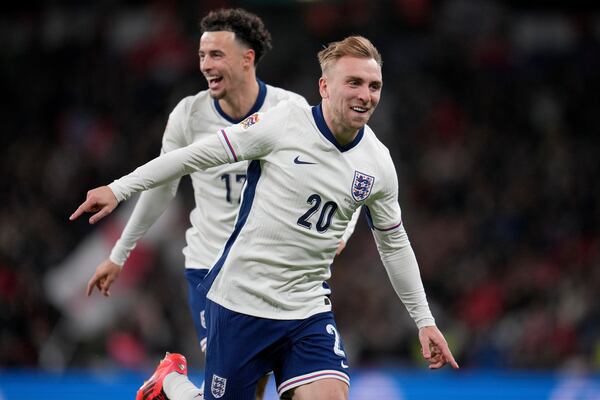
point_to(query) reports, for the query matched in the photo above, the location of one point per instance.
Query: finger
(445, 350)
(437, 365)
(425, 348)
(100, 214)
(84, 207)
(106, 286)
(90, 286)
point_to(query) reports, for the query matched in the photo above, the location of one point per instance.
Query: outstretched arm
(200, 155)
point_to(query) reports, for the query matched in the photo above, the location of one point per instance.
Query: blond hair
(353, 46)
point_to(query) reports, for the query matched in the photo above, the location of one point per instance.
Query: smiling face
(350, 88)
(224, 62)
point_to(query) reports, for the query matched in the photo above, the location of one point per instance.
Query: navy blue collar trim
(317, 112)
(262, 93)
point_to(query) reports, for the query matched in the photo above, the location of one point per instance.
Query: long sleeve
(200, 155)
(402, 268)
(150, 206)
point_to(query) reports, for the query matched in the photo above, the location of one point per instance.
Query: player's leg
(234, 363)
(177, 386)
(197, 303)
(172, 365)
(261, 387)
(314, 365)
(324, 389)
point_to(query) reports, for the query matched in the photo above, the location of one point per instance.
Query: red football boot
(152, 388)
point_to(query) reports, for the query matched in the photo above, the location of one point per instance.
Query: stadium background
(490, 110)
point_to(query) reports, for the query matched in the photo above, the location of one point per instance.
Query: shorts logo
(202, 319)
(361, 185)
(251, 120)
(217, 386)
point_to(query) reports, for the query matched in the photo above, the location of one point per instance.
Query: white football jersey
(216, 190)
(302, 190)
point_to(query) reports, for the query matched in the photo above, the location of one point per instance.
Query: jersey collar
(260, 99)
(317, 112)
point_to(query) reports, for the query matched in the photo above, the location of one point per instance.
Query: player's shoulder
(277, 95)
(375, 144)
(198, 101)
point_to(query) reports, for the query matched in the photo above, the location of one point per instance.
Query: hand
(100, 201)
(106, 273)
(340, 248)
(435, 348)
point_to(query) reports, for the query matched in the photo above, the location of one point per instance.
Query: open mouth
(213, 82)
(361, 110)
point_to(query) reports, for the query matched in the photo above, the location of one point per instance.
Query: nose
(205, 64)
(364, 94)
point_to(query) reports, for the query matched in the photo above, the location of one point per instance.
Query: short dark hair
(248, 28)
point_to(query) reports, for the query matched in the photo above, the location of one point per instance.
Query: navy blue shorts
(242, 349)
(197, 302)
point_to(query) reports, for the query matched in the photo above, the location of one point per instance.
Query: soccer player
(310, 169)
(232, 43)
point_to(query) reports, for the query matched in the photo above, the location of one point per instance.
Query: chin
(217, 95)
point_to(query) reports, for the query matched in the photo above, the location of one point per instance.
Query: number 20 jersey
(302, 190)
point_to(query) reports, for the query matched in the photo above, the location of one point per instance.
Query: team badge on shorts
(217, 386)
(251, 120)
(361, 185)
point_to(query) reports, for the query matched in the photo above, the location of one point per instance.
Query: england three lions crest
(362, 185)
(217, 386)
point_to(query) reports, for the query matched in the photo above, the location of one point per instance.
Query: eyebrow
(357, 78)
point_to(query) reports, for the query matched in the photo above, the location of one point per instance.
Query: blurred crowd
(488, 110)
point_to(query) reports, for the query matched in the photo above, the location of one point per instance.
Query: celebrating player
(232, 43)
(310, 170)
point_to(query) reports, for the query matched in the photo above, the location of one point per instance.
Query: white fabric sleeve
(385, 218)
(150, 205)
(401, 265)
(205, 153)
(351, 225)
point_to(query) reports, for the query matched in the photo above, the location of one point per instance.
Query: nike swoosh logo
(343, 364)
(298, 161)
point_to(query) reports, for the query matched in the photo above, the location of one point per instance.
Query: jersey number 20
(325, 215)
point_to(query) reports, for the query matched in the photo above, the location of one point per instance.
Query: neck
(238, 103)
(343, 134)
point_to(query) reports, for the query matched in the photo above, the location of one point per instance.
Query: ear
(249, 57)
(323, 89)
